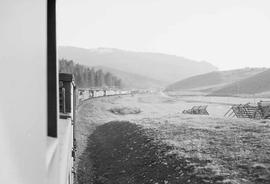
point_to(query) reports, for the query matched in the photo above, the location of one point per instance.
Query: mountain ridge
(162, 67)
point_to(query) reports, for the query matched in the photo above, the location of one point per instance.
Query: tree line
(86, 77)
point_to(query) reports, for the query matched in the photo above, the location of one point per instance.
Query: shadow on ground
(120, 152)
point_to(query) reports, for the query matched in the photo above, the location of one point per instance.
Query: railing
(61, 149)
(62, 100)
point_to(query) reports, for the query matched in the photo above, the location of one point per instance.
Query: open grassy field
(162, 145)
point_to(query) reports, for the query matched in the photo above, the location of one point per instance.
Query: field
(159, 144)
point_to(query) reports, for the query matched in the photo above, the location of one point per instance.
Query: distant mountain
(162, 67)
(214, 80)
(130, 80)
(256, 84)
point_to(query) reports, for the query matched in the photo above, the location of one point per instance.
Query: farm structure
(261, 110)
(201, 110)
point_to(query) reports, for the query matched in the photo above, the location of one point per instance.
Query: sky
(229, 34)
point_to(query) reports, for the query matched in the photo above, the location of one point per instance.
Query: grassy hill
(214, 80)
(256, 84)
(196, 81)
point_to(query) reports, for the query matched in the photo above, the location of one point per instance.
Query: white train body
(36, 140)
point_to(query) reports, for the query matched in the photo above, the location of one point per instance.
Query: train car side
(85, 94)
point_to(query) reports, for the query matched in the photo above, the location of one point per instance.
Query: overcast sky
(227, 33)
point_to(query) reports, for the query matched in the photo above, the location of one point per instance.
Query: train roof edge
(67, 77)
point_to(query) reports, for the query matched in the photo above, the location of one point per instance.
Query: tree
(91, 78)
(108, 79)
(100, 78)
(88, 77)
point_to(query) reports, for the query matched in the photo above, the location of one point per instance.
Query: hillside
(162, 67)
(214, 80)
(256, 84)
(130, 80)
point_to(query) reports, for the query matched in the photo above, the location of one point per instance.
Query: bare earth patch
(120, 152)
(125, 110)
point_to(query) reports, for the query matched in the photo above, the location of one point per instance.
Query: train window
(52, 72)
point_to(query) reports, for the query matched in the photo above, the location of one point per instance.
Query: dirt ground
(162, 145)
(123, 152)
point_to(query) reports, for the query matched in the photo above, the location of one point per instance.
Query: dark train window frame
(52, 72)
